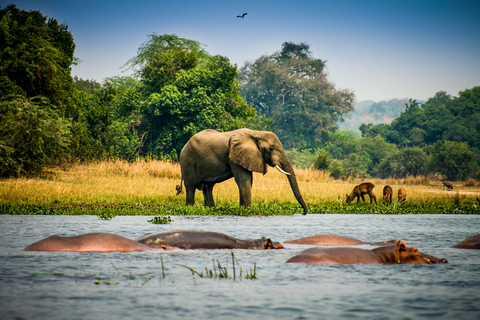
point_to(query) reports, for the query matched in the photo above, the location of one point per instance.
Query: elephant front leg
(246, 194)
(244, 180)
(208, 195)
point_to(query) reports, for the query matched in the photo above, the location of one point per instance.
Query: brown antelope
(402, 195)
(387, 194)
(447, 184)
(360, 190)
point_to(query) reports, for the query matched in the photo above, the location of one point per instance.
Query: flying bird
(242, 16)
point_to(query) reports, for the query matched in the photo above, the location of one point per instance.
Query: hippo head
(412, 255)
(266, 243)
(395, 242)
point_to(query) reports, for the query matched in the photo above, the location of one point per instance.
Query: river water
(51, 285)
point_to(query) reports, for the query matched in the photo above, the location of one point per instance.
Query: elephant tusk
(282, 171)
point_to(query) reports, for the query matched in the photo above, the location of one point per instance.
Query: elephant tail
(179, 187)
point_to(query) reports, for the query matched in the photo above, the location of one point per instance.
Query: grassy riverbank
(121, 188)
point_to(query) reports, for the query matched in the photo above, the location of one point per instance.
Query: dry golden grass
(153, 182)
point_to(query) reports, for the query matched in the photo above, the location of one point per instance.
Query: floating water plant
(161, 220)
(106, 215)
(108, 283)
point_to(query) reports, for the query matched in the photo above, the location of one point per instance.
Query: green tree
(31, 135)
(87, 86)
(375, 149)
(407, 161)
(291, 87)
(184, 90)
(322, 162)
(440, 118)
(356, 165)
(454, 160)
(113, 117)
(340, 145)
(36, 55)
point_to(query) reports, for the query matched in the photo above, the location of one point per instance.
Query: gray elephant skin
(199, 239)
(211, 157)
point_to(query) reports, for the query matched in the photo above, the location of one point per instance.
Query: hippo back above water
(336, 240)
(198, 239)
(99, 242)
(326, 240)
(472, 242)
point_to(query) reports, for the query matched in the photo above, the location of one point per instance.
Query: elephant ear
(244, 152)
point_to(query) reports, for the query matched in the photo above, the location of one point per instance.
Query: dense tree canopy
(291, 87)
(40, 106)
(36, 55)
(178, 89)
(444, 131)
(182, 91)
(440, 118)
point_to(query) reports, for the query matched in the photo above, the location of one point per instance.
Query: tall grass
(143, 183)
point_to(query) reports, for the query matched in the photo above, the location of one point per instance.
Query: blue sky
(378, 49)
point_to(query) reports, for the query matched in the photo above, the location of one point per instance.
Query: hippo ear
(402, 247)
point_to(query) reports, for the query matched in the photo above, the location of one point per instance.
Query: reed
(221, 272)
(151, 184)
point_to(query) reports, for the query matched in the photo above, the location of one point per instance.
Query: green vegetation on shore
(109, 189)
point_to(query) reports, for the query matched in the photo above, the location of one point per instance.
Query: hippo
(99, 242)
(398, 254)
(472, 242)
(198, 239)
(335, 240)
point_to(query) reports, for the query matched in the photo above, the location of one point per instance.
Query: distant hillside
(374, 112)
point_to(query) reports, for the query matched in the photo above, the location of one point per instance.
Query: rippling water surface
(46, 285)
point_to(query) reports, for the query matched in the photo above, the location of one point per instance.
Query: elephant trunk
(292, 178)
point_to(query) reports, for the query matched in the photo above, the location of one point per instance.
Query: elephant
(335, 240)
(211, 157)
(398, 254)
(99, 242)
(198, 239)
(472, 242)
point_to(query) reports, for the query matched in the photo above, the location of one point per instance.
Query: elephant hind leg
(208, 195)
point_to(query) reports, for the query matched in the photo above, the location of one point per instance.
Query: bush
(336, 169)
(322, 162)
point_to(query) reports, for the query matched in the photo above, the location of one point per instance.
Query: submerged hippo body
(100, 242)
(472, 242)
(335, 240)
(397, 254)
(197, 239)
(326, 240)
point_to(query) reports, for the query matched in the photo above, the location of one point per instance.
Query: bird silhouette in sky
(242, 16)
